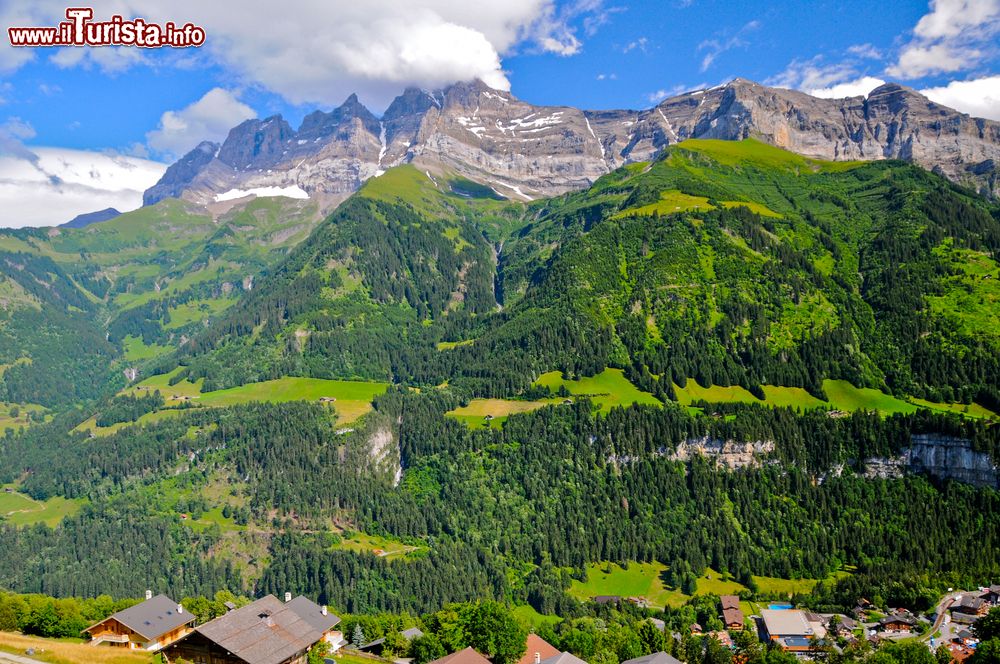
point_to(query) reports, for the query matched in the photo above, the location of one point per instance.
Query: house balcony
(108, 637)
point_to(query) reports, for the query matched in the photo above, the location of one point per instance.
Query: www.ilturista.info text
(80, 30)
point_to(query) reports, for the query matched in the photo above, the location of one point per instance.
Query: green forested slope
(81, 305)
(728, 263)
(721, 264)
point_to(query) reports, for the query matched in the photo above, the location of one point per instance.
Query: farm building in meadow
(150, 625)
(732, 615)
(267, 631)
(789, 628)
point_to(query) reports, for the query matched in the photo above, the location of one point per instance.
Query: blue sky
(629, 51)
(263, 57)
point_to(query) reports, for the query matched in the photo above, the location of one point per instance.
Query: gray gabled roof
(152, 618)
(656, 658)
(411, 633)
(268, 631)
(563, 658)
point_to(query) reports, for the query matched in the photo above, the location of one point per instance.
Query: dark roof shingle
(152, 618)
(268, 631)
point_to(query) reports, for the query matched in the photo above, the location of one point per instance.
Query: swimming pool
(782, 606)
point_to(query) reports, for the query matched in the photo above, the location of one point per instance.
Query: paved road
(942, 611)
(7, 658)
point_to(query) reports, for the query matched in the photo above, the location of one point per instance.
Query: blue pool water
(784, 606)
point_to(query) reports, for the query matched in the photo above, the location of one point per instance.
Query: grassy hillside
(127, 290)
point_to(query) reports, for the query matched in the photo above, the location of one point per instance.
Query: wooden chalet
(150, 625)
(267, 631)
(898, 622)
(971, 606)
(732, 615)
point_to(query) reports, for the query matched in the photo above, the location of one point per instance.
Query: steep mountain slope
(731, 263)
(717, 265)
(363, 292)
(82, 305)
(525, 151)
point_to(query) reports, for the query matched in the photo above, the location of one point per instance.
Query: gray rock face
(943, 457)
(179, 177)
(524, 151)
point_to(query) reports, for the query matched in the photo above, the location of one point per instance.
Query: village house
(788, 628)
(991, 595)
(656, 658)
(377, 646)
(732, 615)
(267, 631)
(467, 656)
(898, 622)
(606, 599)
(840, 625)
(969, 608)
(562, 658)
(536, 649)
(862, 609)
(150, 625)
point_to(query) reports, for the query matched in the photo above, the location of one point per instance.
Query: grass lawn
(607, 389)
(354, 658)
(448, 345)
(968, 410)
(644, 580)
(22, 510)
(756, 208)
(671, 201)
(736, 153)
(8, 421)
(530, 618)
(841, 394)
(136, 350)
(844, 396)
(352, 397)
(57, 651)
(382, 547)
(639, 580)
(474, 414)
(768, 585)
(214, 517)
(197, 310)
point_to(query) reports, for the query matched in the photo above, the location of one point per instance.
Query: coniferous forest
(170, 432)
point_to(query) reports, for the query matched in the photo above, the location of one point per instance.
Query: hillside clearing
(350, 399)
(607, 389)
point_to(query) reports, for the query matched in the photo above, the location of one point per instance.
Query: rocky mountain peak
(523, 150)
(321, 125)
(256, 143)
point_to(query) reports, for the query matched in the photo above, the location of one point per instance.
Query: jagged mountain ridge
(524, 151)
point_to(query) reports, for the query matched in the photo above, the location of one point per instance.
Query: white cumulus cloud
(978, 97)
(953, 36)
(857, 88)
(318, 51)
(208, 119)
(54, 185)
